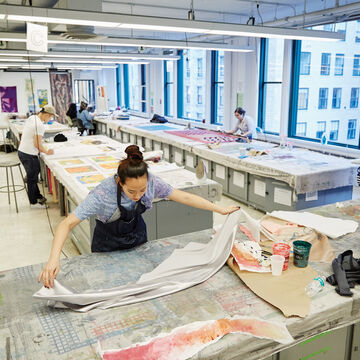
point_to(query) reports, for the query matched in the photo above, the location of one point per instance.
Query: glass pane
(169, 100)
(134, 87)
(275, 56)
(194, 84)
(332, 100)
(219, 92)
(272, 111)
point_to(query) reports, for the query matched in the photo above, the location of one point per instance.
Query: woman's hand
(228, 209)
(49, 272)
(50, 152)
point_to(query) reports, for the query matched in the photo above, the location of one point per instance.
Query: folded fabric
(184, 268)
(331, 227)
(346, 273)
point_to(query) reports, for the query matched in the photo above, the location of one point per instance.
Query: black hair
(133, 166)
(240, 111)
(72, 112)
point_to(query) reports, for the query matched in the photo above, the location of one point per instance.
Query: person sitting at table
(71, 115)
(87, 118)
(245, 126)
(118, 203)
(30, 147)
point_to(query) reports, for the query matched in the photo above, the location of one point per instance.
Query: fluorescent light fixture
(120, 42)
(13, 59)
(149, 23)
(18, 53)
(90, 55)
(154, 43)
(61, 21)
(86, 61)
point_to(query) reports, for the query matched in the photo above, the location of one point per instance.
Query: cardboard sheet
(286, 292)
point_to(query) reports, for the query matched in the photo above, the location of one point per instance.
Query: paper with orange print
(90, 179)
(81, 169)
(109, 165)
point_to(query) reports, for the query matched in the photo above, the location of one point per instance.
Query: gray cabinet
(331, 345)
(219, 173)
(238, 184)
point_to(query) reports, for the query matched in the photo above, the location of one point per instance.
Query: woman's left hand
(228, 209)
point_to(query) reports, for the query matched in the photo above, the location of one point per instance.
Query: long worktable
(30, 329)
(280, 179)
(17, 125)
(166, 218)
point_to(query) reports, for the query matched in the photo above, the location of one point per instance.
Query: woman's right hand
(49, 272)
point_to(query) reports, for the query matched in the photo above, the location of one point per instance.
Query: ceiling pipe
(311, 18)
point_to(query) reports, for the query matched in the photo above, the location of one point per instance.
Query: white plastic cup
(277, 262)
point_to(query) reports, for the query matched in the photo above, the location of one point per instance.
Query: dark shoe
(42, 200)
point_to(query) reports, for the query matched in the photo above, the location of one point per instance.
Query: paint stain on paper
(188, 340)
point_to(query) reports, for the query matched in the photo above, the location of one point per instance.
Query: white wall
(41, 81)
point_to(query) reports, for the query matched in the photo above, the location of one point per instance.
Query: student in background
(86, 118)
(118, 203)
(30, 147)
(245, 126)
(71, 115)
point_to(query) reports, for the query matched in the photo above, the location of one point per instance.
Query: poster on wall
(61, 94)
(8, 99)
(42, 97)
(29, 94)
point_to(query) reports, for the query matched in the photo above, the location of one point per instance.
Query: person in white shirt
(245, 126)
(30, 147)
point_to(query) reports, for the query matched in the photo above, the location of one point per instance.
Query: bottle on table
(315, 286)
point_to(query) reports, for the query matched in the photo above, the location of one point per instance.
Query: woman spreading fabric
(118, 203)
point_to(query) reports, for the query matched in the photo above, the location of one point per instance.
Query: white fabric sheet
(331, 227)
(184, 268)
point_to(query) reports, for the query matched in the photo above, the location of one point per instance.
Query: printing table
(283, 180)
(30, 329)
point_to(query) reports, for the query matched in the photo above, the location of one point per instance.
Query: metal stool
(8, 165)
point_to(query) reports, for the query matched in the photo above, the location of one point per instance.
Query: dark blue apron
(124, 233)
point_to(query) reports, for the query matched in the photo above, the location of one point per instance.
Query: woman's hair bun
(133, 153)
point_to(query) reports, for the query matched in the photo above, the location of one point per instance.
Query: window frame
(167, 86)
(262, 86)
(337, 130)
(215, 86)
(322, 131)
(356, 70)
(321, 99)
(336, 67)
(351, 129)
(357, 98)
(337, 98)
(91, 90)
(309, 64)
(307, 99)
(295, 79)
(325, 69)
